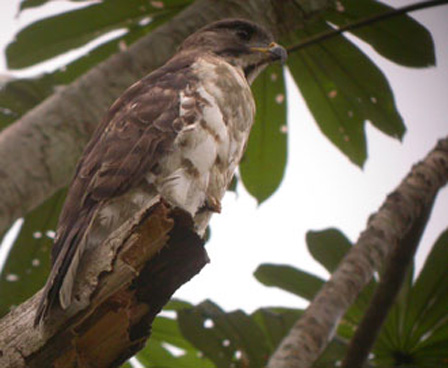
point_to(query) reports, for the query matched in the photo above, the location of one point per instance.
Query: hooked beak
(278, 52)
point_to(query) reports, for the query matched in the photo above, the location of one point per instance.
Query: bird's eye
(243, 34)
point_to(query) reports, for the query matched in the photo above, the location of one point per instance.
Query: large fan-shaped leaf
(264, 162)
(225, 338)
(28, 263)
(430, 289)
(400, 39)
(427, 302)
(39, 41)
(416, 330)
(343, 88)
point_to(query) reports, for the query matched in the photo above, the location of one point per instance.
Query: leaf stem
(364, 22)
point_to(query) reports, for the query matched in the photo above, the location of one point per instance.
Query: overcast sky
(321, 188)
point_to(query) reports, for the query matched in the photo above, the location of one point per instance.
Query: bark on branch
(121, 287)
(392, 278)
(390, 225)
(38, 153)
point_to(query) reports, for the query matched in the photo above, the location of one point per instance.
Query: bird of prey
(179, 133)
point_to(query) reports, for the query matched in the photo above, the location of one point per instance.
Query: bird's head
(242, 43)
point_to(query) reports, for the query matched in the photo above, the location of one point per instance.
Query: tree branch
(392, 279)
(365, 22)
(120, 288)
(390, 225)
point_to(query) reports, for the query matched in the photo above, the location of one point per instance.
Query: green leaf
(289, 279)
(166, 329)
(154, 354)
(417, 326)
(264, 162)
(392, 328)
(166, 334)
(428, 298)
(27, 4)
(28, 262)
(235, 339)
(334, 352)
(276, 323)
(328, 247)
(343, 89)
(19, 96)
(158, 356)
(437, 337)
(176, 305)
(247, 335)
(205, 337)
(86, 62)
(357, 309)
(221, 335)
(401, 39)
(126, 365)
(39, 41)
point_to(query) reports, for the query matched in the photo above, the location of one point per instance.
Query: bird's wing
(137, 131)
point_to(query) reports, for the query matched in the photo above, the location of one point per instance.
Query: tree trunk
(120, 288)
(390, 225)
(38, 153)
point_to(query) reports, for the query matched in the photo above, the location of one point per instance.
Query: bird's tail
(59, 286)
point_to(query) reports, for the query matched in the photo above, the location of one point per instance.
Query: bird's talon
(212, 204)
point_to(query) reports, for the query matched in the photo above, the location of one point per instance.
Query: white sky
(321, 188)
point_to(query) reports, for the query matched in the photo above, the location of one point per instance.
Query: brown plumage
(179, 132)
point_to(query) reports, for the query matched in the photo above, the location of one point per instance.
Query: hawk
(179, 132)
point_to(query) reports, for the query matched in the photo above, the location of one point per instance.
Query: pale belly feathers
(206, 152)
